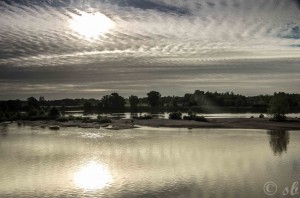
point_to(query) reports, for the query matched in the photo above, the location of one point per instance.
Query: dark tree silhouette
(279, 141)
(42, 101)
(4, 130)
(198, 98)
(53, 112)
(105, 103)
(113, 102)
(134, 101)
(174, 101)
(153, 98)
(117, 102)
(279, 106)
(32, 102)
(175, 115)
(88, 106)
(32, 112)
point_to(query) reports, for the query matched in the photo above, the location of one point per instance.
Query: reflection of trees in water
(279, 139)
(3, 130)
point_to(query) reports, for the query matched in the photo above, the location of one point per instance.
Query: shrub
(62, 119)
(80, 118)
(143, 117)
(42, 112)
(200, 119)
(54, 112)
(33, 112)
(36, 118)
(279, 106)
(86, 120)
(191, 113)
(261, 116)
(175, 115)
(279, 118)
(16, 116)
(71, 118)
(188, 117)
(103, 120)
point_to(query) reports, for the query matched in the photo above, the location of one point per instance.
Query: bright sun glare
(91, 25)
(92, 176)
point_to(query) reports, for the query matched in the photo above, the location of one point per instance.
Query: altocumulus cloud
(174, 46)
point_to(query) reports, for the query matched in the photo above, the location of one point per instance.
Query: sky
(90, 48)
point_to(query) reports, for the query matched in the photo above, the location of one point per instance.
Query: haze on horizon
(90, 48)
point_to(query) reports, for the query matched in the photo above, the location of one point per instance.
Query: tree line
(153, 100)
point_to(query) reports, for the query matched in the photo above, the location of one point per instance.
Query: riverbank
(119, 124)
(241, 123)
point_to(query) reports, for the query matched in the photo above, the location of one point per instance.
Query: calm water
(146, 162)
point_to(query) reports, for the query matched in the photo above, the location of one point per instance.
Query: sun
(92, 176)
(91, 25)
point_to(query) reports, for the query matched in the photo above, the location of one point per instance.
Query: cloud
(151, 40)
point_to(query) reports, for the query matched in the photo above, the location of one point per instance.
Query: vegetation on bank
(191, 116)
(279, 106)
(32, 109)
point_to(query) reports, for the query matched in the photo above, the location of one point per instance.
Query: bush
(72, 118)
(16, 116)
(261, 116)
(191, 113)
(188, 117)
(86, 120)
(80, 118)
(279, 106)
(200, 119)
(62, 119)
(42, 112)
(3, 117)
(36, 118)
(54, 112)
(143, 117)
(103, 120)
(175, 115)
(33, 112)
(195, 118)
(279, 118)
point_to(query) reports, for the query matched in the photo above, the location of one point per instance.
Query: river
(147, 162)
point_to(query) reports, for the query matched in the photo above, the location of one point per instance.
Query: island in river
(234, 123)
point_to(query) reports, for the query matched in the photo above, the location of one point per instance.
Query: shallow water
(146, 162)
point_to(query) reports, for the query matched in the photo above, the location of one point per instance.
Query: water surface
(145, 162)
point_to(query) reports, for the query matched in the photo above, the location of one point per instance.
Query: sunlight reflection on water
(92, 176)
(145, 162)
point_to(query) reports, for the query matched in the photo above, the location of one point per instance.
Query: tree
(54, 112)
(174, 101)
(88, 106)
(42, 101)
(198, 98)
(32, 102)
(153, 98)
(105, 103)
(32, 112)
(175, 115)
(134, 101)
(279, 106)
(113, 101)
(116, 101)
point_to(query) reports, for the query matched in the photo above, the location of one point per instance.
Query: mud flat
(241, 123)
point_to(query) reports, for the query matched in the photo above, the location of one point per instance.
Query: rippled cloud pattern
(173, 46)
